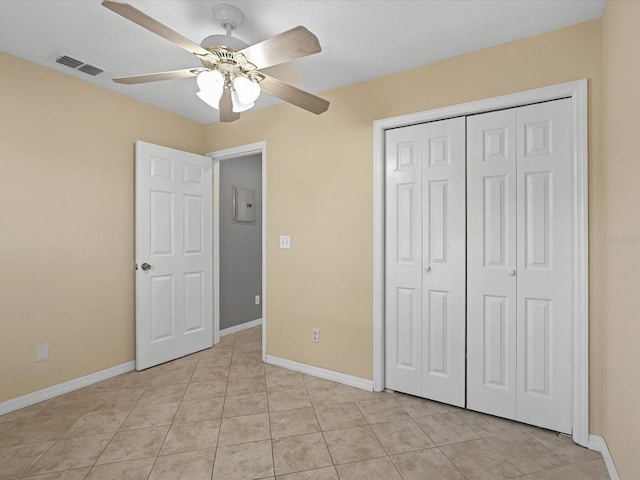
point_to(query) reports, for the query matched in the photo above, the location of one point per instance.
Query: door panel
(491, 250)
(403, 305)
(425, 260)
(174, 236)
(494, 226)
(162, 313)
(495, 340)
(545, 312)
(193, 223)
(193, 302)
(438, 326)
(443, 288)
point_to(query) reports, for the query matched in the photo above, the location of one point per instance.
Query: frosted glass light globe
(248, 91)
(211, 84)
(238, 105)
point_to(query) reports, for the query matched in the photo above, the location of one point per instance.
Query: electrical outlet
(285, 241)
(42, 353)
(315, 335)
(257, 299)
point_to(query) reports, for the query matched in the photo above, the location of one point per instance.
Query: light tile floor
(222, 414)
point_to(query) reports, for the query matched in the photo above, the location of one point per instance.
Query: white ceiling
(361, 39)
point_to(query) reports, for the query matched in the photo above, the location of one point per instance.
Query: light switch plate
(285, 241)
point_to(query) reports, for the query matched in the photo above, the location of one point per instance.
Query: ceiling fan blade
(284, 47)
(156, 77)
(136, 16)
(226, 107)
(293, 95)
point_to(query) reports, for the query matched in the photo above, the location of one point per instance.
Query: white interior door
(491, 263)
(443, 286)
(425, 260)
(403, 325)
(520, 311)
(173, 254)
(544, 298)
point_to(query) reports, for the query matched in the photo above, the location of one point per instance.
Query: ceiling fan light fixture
(238, 105)
(211, 84)
(247, 90)
(231, 80)
(209, 99)
(210, 80)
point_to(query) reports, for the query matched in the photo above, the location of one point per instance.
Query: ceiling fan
(230, 79)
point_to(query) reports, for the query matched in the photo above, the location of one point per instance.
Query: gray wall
(240, 244)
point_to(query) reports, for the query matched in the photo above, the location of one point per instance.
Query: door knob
(512, 272)
(145, 266)
(427, 268)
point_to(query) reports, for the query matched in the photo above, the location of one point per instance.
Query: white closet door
(491, 265)
(425, 260)
(403, 263)
(545, 311)
(443, 287)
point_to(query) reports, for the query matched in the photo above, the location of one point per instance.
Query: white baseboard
(599, 444)
(357, 382)
(239, 328)
(65, 387)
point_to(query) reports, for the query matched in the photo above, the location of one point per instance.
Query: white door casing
(576, 93)
(491, 263)
(174, 238)
(217, 157)
(425, 259)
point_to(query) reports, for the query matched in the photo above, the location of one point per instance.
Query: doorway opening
(239, 240)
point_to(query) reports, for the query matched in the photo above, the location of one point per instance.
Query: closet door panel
(443, 291)
(491, 263)
(403, 263)
(545, 314)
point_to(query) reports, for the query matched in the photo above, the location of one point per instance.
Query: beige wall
(621, 173)
(320, 189)
(66, 222)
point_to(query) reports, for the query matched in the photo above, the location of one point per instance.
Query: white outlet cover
(285, 241)
(42, 353)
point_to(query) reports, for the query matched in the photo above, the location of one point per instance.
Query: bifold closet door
(491, 263)
(545, 265)
(425, 260)
(519, 285)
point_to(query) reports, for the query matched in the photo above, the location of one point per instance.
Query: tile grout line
(324, 439)
(224, 402)
(273, 455)
(41, 456)
(164, 440)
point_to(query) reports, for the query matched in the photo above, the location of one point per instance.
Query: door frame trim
(577, 92)
(217, 157)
